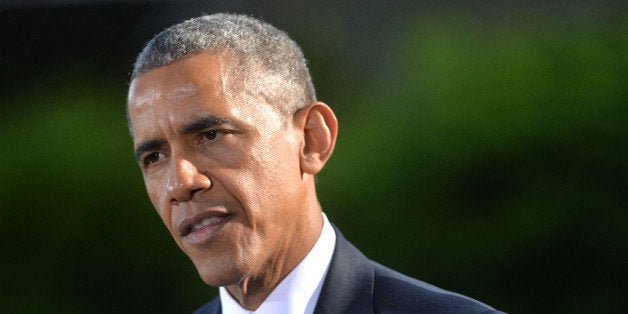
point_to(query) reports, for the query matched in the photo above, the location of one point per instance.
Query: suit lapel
(348, 286)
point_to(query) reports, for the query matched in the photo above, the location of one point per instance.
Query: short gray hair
(265, 62)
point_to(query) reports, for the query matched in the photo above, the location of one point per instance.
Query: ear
(320, 130)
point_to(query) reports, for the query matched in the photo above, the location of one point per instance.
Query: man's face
(223, 173)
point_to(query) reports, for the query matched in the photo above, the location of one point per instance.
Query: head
(229, 137)
(264, 60)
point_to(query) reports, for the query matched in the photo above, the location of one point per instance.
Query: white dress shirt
(299, 291)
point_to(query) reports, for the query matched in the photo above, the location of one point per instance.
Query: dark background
(482, 148)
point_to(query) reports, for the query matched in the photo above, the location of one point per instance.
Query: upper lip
(185, 227)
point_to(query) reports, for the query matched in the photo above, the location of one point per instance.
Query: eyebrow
(197, 125)
(147, 146)
(205, 123)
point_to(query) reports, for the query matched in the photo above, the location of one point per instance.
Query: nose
(184, 180)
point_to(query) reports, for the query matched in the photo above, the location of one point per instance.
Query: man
(229, 136)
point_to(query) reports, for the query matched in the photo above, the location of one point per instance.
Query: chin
(219, 276)
(222, 281)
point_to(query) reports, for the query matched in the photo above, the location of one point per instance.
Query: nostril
(195, 191)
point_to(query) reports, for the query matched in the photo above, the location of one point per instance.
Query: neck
(301, 237)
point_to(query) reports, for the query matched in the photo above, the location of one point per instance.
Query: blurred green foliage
(495, 160)
(486, 159)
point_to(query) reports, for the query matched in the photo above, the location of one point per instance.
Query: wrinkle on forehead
(153, 95)
(183, 91)
(149, 97)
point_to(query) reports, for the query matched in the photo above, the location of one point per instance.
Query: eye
(152, 158)
(212, 135)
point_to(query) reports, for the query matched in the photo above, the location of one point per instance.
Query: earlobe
(320, 130)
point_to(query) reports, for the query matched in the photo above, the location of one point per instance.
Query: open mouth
(202, 221)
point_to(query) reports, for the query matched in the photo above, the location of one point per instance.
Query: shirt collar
(299, 291)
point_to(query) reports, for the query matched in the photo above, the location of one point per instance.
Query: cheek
(155, 195)
(274, 176)
(226, 156)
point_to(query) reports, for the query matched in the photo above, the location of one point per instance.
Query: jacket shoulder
(211, 307)
(394, 292)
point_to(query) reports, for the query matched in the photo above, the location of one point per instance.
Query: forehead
(140, 97)
(199, 74)
(190, 88)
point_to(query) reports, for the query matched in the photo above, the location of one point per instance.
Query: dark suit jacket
(355, 284)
